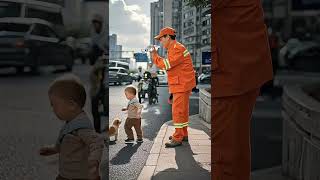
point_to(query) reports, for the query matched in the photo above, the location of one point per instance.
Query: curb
(150, 166)
(151, 163)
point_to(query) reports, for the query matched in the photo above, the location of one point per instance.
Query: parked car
(204, 78)
(162, 77)
(134, 76)
(301, 55)
(118, 75)
(118, 63)
(31, 42)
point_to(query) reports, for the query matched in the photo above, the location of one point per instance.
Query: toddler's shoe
(129, 141)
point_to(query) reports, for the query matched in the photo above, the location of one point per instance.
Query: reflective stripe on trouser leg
(180, 113)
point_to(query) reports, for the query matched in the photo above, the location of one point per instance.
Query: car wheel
(83, 60)
(150, 100)
(70, 65)
(20, 69)
(35, 66)
(69, 68)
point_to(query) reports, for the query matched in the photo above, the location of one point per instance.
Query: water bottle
(151, 47)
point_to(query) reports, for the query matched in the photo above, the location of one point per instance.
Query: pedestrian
(78, 145)
(98, 40)
(140, 73)
(134, 109)
(181, 80)
(241, 65)
(97, 92)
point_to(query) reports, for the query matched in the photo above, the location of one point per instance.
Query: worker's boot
(172, 143)
(185, 138)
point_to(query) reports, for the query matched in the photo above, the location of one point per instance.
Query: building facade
(192, 25)
(115, 50)
(79, 13)
(196, 31)
(290, 18)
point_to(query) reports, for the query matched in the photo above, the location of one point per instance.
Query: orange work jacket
(241, 56)
(178, 64)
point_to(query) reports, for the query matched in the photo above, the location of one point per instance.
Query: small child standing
(79, 146)
(134, 109)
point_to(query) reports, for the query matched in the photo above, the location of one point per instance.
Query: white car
(162, 77)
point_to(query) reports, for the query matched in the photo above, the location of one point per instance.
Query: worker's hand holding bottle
(152, 49)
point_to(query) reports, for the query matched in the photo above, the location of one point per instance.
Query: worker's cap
(97, 18)
(165, 31)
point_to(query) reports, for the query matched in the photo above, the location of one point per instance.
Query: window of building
(188, 31)
(206, 41)
(206, 22)
(188, 23)
(188, 14)
(206, 32)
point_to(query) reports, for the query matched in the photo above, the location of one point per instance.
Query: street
(266, 134)
(126, 161)
(28, 123)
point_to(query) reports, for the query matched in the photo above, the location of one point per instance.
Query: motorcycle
(148, 86)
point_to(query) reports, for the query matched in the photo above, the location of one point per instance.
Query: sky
(130, 20)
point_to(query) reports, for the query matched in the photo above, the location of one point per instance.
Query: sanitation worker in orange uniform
(181, 80)
(241, 64)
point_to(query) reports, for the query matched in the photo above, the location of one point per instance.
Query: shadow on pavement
(125, 154)
(188, 167)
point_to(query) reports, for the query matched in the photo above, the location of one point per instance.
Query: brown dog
(113, 130)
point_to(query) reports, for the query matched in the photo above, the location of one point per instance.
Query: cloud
(130, 23)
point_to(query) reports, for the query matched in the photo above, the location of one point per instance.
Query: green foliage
(199, 3)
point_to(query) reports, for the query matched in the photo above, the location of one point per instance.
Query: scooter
(147, 86)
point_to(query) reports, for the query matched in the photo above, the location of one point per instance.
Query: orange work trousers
(180, 115)
(231, 152)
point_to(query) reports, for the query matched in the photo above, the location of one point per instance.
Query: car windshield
(14, 27)
(112, 64)
(113, 70)
(9, 9)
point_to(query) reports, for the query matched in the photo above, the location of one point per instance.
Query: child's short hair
(131, 90)
(69, 87)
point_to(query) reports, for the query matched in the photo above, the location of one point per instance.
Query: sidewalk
(187, 162)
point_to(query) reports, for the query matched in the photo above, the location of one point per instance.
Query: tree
(199, 3)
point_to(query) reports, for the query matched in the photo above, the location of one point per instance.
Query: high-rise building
(115, 50)
(156, 16)
(118, 52)
(113, 42)
(112, 46)
(190, 31)
(196, 31)
(205, 32)
(172, 10)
